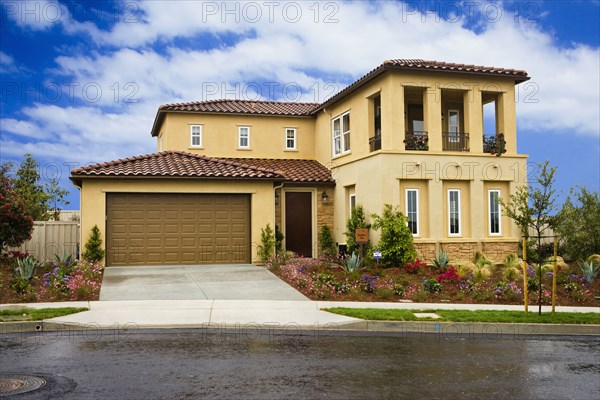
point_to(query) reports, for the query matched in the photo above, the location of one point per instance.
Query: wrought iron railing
(455, 141)
(416, 140)
(375, 143)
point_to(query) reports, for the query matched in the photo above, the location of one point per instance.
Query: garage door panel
(151, 229)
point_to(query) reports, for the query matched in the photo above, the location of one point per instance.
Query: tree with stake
(533, 207)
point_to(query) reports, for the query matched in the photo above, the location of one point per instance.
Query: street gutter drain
(16, 384)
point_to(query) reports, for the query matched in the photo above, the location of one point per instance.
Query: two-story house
(409, 133)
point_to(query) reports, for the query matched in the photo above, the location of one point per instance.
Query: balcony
(494, 144)
(416, 140)
(375, 143)
(455, 141)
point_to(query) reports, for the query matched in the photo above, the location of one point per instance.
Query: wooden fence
(50, 238)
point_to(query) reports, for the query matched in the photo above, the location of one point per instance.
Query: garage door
(175, 229)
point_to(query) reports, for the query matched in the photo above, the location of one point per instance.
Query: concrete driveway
(195, 282)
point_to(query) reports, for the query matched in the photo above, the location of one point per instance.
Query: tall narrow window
(341, 134)
(196, 135)
(412, 210)
(352, 201)
(454, 212)
(290, 139)
(494, 212)
(244, 137)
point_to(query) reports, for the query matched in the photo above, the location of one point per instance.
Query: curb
(456, 330)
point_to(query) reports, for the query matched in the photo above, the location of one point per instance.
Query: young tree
(579, 230)
(15, 225)
(56, 197)
(534, 207)
(396, 243)
(327, 245)
(93, 247)
(28, 187)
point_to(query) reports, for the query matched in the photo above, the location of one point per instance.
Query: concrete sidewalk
(268, 314)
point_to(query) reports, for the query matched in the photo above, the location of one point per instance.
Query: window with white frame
(244, 137)
(352, 203)
(454, 212)
(195, 135)
(412, 210)
(290, 139)
(341, 134)
(495, 216)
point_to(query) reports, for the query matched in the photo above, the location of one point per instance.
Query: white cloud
(277, 50)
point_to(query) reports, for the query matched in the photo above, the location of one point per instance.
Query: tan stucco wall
(382, 179)
(391, 89)
(220, 135)
(93, 199)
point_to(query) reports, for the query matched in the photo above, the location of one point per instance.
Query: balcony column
(507, 120)
(432, 116)
(473, 109)
(397, 110)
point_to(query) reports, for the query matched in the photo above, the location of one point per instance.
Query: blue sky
(81, 81)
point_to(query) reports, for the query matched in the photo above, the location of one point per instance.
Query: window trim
(417, 233)
(294, 138)
(459, 233)
(240, 128)
(499, 194)
(351, 196)
(200, 135)
(343, 133)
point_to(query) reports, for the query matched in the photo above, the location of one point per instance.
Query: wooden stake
(554, 275)
(525, 294)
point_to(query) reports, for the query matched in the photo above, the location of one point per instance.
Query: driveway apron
(195, 282)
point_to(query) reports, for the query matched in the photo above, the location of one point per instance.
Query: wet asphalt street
(243, 364)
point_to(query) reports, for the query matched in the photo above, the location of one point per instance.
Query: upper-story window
(341, 134)
(195, 136)
(244, 137)
(290, 138)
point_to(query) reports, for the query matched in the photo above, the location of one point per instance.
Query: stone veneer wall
(324, 211)
(425, 251)
(497, 251)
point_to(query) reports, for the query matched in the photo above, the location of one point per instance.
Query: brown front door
(298, 223)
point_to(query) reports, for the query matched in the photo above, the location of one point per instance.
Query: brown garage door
(171, 229)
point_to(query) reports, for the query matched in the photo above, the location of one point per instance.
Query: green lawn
(37, 314)
(469, 316)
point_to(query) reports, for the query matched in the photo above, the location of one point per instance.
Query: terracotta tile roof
(244, 107)
(187, 165)
(294, 171)
(423, 65)
(175, 164)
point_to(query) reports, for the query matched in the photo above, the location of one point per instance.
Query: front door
(298, 223)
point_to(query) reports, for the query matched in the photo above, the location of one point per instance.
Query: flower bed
(61, 280)
(419, 282)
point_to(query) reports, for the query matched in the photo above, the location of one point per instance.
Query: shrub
(368, 283)
(352, 263)
(267, 244)
(384, 293)
(441, 260)
(15, 224)
(590, 268)
(414, 267)
(357, 220)
(579, 229)
(465, 269)
(93, 246)
(278, 239)
(482, 267)
(451, 275)
(396, 242)
(326, 243)
(398, 289)
(512, 268)
(431, 285)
